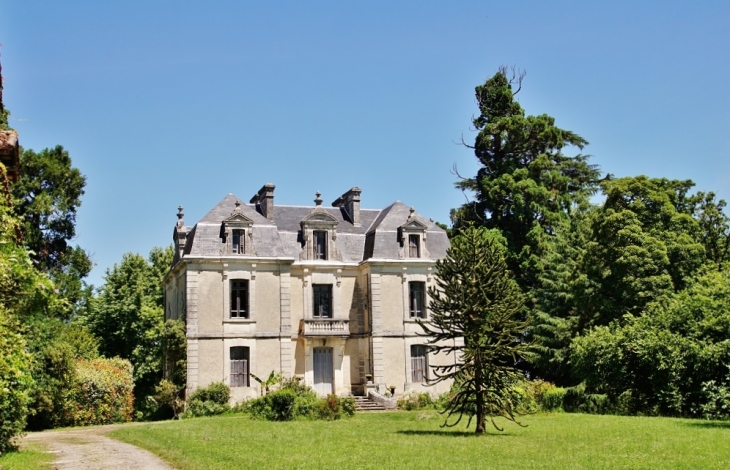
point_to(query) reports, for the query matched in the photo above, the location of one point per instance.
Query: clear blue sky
(168, 103)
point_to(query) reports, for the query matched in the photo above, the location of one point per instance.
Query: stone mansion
(330, 295)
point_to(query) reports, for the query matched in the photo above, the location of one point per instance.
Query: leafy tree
(47, 197)
(128, 317)
(476, 316)
(526, 187)
(714, 225)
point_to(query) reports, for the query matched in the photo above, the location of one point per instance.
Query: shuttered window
(414, 246)
(239, 366)
(419, 364)
(239, 242)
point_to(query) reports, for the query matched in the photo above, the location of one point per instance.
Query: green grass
(415, 440)
(28, 458)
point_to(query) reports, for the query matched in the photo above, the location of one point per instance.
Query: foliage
(410, 401)
(208, 401)
(168, 396)
(295, 400)
(477, 301)
(47, 197)
(128, 318)
(102, 393)
(266, 385)
(526, 187)
(174, 345)
(15, 382)
(716, 400)
(414, 440)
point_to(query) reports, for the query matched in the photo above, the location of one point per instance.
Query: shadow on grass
(709, 424)
(447, 433)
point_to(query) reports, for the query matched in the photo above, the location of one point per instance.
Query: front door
(323, 371)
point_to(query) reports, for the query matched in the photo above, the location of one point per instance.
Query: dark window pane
(239, 299)
(320, 245)
(322, 294)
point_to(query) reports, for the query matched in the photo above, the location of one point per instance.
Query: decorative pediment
(238, 219)
(319, 217)
(414, 225)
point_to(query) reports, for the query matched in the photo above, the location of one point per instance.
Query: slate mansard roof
(377, 237)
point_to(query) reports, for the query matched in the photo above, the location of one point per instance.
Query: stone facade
(330, 295)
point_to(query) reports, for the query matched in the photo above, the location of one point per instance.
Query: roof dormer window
(318, 235)
(236, 233)
(412, 236)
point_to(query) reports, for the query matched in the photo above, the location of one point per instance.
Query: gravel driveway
(90, 449)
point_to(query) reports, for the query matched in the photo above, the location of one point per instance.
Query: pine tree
(475, 315)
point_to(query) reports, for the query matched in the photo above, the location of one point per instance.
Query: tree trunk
(481, 412)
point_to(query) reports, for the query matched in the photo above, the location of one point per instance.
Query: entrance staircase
(366, 404)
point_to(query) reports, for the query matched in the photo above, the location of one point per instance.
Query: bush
(717, 401)
(296, 400)
(552, 399)
(416, 401)
(102, 393)
(15, 383)
(217, 392)
(208, 401)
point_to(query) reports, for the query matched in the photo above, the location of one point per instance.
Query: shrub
(208, 401)
(416, 401)
(102, 393)
(15, 383)
(296, 400)
(217, 392)
(552, 399)
(717, 400)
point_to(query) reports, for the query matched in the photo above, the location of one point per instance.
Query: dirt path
(90, 449)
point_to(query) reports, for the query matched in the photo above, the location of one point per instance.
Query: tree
(526, 186)
(476, 316)
(128, 316)
(47, 197)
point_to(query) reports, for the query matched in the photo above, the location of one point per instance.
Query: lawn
(415, 440)
(29, 458)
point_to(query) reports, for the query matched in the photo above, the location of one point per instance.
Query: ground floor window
(419, 364)
(239, 366)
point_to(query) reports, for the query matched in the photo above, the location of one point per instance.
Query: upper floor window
(239, 299)
(320, 244)
(322, 294)
(417, 295)
(239, 242)
(414, 246)
(239, 366)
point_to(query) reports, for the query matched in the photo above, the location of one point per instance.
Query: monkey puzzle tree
(475, 315)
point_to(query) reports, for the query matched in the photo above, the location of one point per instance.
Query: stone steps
(366, 404)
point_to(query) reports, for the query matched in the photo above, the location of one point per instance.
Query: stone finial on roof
(238, 206)
(318, 200)
(180, 215)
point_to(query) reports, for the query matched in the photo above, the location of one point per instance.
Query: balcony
(324, 327)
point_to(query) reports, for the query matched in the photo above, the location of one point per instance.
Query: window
(414, 246)
(239, 299)
(320, 244)
(419, 364)
(239, 366)
(417, 291)
(239, 242)
(322, 300)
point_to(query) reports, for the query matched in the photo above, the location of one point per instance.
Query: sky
(167, 103)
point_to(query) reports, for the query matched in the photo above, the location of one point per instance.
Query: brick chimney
(351, 202)
(264, 200)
